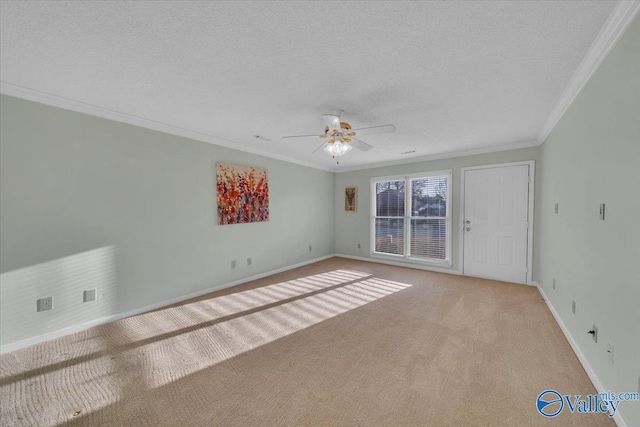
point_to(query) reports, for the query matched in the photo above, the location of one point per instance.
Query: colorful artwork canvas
(243, 194)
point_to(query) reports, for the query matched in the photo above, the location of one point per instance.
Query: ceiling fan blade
(375, 130)
(302, 136)
(321, 145)
(360, 145)
(332, 121)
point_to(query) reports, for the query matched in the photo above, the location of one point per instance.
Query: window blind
(429, 217)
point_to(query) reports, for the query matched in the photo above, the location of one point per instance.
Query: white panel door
(496, 210)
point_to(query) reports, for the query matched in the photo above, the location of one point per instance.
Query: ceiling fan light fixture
(338, 136)
(337, 148)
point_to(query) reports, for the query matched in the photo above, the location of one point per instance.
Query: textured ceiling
(450, 76)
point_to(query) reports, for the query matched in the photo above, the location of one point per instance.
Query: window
(411, 217)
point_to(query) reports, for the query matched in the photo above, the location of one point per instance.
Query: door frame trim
(532, 180)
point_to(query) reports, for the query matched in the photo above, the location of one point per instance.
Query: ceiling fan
(339, 137)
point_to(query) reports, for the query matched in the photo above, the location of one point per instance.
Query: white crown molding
(17, 91)
(448, 155)
(616, 24)
(618, 21)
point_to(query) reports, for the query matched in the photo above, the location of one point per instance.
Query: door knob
(468, 222)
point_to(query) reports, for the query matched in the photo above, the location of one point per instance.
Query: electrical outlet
(233, 264)
(555, 209)
(89, 295)
(610, 349)
(310, 248)
(573, 306)
(554, 283)
(594, 333)
(358, 245)
(45, 304)
(248, 261)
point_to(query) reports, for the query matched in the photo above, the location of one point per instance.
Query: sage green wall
(138, 208)
(592, 157)
(354, 227)
(72, 184)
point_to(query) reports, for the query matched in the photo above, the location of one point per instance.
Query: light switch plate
(602, 211)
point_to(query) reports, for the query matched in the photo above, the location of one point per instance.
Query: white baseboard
(499, 280)
(400, 264)
(620, 422)
(6, 348)
(421, 267)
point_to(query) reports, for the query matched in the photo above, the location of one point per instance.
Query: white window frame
(407, 178)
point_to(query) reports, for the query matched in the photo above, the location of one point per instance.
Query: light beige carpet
(338, 342)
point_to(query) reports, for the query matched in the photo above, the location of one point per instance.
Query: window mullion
(407, 217)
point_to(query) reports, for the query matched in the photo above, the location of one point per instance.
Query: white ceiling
(451, 76)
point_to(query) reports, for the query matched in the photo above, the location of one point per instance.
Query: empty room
(327, 213)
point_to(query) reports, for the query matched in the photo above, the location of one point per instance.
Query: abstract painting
(351, 198)
(243, 194)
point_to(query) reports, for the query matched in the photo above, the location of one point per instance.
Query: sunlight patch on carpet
(157, 348)
(241, 334)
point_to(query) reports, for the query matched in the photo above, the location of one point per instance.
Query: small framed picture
(350, 199)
